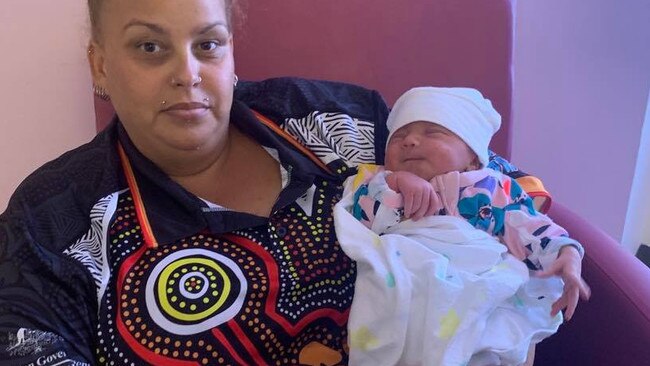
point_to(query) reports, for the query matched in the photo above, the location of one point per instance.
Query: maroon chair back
(386, 45)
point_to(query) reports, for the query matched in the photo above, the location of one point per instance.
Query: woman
(192, 231)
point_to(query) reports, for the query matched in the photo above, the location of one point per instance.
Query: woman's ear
(97, 65)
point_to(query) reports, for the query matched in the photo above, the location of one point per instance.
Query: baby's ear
(475, 164)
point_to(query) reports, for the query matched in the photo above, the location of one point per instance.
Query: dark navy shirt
(79, 282)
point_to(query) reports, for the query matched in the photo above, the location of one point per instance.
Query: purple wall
(582, 75)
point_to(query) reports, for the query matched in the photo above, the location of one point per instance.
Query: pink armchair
(391, 46)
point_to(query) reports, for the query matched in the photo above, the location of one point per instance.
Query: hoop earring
(236, 79)
(101, 93)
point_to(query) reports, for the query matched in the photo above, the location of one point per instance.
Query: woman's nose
(186, 71)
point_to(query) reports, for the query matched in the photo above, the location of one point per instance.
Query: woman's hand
(420, 199)
(568, 266)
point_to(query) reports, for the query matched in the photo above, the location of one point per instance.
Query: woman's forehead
(166, 14)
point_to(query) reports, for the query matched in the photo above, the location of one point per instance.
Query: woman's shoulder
(76, 177)
(342, 124)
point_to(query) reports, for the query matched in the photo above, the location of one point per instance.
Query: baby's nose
(410, 140)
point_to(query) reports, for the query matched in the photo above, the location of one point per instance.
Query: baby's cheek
(391, 159)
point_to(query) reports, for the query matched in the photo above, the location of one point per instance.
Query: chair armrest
(613, 328)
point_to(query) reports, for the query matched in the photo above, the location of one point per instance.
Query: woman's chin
(190, 143)
(189, 136)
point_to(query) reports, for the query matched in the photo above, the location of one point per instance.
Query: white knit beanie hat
(463, 111)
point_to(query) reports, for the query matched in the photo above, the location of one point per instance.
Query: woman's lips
(187, 111)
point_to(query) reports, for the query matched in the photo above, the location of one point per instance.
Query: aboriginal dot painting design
(276, 294)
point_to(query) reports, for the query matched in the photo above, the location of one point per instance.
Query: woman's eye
(208, 46)
(150, 47)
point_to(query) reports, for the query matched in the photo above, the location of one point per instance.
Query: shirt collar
(174, 213)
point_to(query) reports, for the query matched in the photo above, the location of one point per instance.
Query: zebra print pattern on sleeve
(90, 250)
(335, 136)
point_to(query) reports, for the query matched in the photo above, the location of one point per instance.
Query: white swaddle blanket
(437, 291)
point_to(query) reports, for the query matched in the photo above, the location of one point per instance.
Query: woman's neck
(243, 177)
(236, 172)
(185, 164)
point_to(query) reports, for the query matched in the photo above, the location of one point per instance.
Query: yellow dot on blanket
(376, 241)
(363, 339)
(449, 324)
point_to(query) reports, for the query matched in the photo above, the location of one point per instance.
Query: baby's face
(427, 149)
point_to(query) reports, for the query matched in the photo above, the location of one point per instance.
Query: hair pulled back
(95, 9)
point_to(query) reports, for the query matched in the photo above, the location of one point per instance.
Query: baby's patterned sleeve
(498, 205)
(536, 233)
(375, 205)
(532, 185)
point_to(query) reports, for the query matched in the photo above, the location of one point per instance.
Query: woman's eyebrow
(140, 23)
(158, 29)
(210, 26)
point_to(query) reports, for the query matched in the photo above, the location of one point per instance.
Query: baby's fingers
(434, 203)
(408, 205)
(557, 306)
(568, 301)
(417, 203)
(553, 270)
(585, 290)
(572, 303)
(421, 211)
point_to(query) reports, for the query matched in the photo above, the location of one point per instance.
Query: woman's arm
(47, 301)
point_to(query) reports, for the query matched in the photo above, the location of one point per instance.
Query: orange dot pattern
(293, 268)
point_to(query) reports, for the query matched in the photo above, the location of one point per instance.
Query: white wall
(582, 75)
(637, 230)
(45, 99)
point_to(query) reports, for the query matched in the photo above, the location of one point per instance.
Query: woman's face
(169, 70)
(427, 149)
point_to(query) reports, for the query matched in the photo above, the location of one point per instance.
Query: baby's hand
(420, 199)
(568, 265)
